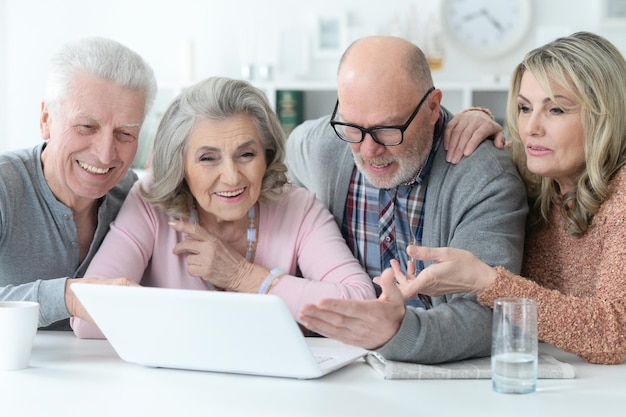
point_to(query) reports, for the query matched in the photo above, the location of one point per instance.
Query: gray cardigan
(478, 205)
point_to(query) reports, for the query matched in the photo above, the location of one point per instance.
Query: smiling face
(224, 167)
(389, 166)
(92, 139)
(552, 133)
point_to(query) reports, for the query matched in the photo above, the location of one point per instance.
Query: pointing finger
(194, 231)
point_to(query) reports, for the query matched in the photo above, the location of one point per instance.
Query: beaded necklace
(251, 234)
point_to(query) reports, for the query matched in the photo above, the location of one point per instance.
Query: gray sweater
(478, 205)
(38, 237)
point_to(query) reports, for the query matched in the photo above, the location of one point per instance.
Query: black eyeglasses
(383, 135)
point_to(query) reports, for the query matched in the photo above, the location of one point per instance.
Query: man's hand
(74, 306)
(365, 323)
(467, 130)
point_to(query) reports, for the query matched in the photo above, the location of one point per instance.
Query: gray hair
(216, 98)
(103, 58)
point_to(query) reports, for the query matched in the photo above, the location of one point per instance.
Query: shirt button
(66, 217)
(74, 244)
(387, 238)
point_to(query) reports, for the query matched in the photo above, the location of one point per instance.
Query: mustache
(379, 162)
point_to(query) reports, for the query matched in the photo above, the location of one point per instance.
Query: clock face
(486, 27)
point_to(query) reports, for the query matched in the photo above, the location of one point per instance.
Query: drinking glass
(514, 346)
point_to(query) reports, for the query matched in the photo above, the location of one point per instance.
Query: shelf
(319, 97)
(457, 97)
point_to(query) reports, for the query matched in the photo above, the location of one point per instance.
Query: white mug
(18, 326)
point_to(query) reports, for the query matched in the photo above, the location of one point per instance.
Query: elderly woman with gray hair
(217, 213)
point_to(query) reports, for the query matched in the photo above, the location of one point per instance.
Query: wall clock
(486, 28)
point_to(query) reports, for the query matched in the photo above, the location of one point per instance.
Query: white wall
(222, 34)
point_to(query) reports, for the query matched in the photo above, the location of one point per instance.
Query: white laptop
(210, 331)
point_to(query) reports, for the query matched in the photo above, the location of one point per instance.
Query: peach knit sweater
(579, 282)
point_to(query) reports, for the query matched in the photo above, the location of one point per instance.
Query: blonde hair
(592, 71)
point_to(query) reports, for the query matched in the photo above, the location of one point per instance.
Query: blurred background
(281, 45)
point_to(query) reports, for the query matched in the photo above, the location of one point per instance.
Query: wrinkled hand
(466, 131)
(454, 271)
(74, 306)
(365, 323)
(211, 259)
(405, 282)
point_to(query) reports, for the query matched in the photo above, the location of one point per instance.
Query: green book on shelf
(289, 108)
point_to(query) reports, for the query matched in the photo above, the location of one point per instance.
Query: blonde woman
(568, 130)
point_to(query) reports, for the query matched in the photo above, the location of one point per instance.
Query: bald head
(380, 78)
(384, 81)
(384, 60)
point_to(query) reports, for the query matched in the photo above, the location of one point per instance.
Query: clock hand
(472, 16)
(484, 12)
(493, 20)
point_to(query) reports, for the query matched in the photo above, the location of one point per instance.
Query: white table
(72, 377)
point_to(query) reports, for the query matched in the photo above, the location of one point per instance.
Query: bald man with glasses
(385, 164)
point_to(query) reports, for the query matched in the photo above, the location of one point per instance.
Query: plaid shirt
(363, 209)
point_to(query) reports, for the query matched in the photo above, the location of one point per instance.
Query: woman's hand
(466, 131)
(454, 271)
(212, 260)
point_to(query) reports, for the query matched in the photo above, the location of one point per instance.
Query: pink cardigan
(296, 232)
